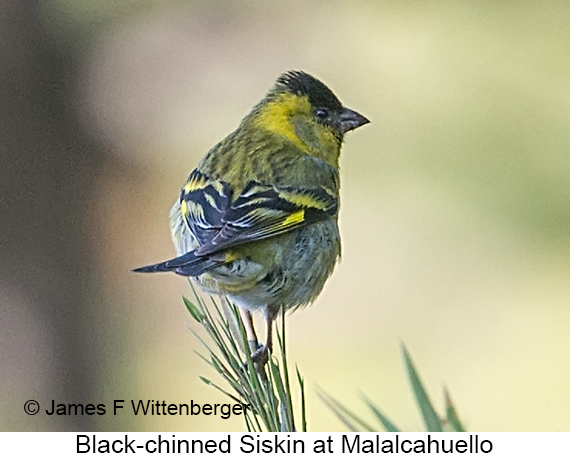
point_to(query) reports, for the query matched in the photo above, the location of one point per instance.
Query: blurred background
(455, 212)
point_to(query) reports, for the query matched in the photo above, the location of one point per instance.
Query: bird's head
(304, 110)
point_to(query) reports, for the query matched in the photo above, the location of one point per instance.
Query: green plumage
(257, 219)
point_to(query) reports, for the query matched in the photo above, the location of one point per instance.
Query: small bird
(257, 220)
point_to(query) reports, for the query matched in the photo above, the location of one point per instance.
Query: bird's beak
(349, 120)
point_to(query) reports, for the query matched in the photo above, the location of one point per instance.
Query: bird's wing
(259, 212)
(203, 203)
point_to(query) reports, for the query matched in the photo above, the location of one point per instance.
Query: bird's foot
(253, 346)
(260, 356)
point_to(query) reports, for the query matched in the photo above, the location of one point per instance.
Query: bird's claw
(260, 356)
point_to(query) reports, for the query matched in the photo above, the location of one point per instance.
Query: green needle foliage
(266, 389)
(433, 422)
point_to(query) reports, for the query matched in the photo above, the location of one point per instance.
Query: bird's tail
(188, 264)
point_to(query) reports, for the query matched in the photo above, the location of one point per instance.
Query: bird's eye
(322, 114)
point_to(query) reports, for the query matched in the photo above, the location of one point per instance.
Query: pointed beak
(349, 120)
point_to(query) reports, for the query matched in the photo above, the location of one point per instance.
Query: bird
(257, 219)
